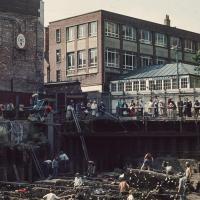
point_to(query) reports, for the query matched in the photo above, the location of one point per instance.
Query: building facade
(21, 45)
(176, 81)
(98, 47)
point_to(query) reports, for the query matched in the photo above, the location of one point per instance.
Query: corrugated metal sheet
(161, 71)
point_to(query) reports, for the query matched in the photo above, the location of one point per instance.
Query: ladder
(36, 161)
(16, 131)
(84, 147)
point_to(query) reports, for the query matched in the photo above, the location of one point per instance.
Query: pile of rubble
(145, 184)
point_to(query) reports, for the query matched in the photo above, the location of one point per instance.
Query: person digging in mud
(50, 196)
(123, 186)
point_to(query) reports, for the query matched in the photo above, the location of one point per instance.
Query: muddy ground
(146, 185)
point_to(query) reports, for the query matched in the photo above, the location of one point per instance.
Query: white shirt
(50, 196)
(64, 157)
(130, 197)
(78, 181)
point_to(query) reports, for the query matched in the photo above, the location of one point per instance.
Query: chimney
(167, 21)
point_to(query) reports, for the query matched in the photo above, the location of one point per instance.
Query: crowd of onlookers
(84, 110)
(156, 107)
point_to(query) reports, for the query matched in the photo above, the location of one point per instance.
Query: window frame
(133, 58)
(113, 33)
(167, 84)
(160, 40)
(58, 35)
(90, 51)
(91, 28)
(145, 40)
(71, 55)
(149, 60)
(132, 33)
(175, 44)
(114, 53)
(121, 86)
(184, 82)
(143, 87)
(81, 31)
(113, 87)
(189, 47)
(129, 86)
(70, 34)
(81, 56)
(158, 84)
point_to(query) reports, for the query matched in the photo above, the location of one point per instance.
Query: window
(81, 59)
(129, 61)
(111, 29)
(93, 29)
(198, 46)
(128, 86)
(113, 87)
(167, 84)
(161, 40)
(184, 82)
(174, 83)
(58, 35)
(151, 85)
(70, 60)
(121, 86)
(160, 61)
(158, 85)
(142, 85)
(135, 85)
(112, 58)
(48, 74)
(58, 55)
(189, 46)
(82, 31)
(146, 61)
(129, 33)
(145, 37)
(70, 33)
(175, 42)
(58, 76)
(92, 57)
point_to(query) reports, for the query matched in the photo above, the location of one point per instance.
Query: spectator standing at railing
(180, 108)
(196, 108)
(161, 108)
(189, 109)
(170, 108)
(125, 109)
(150, 107)
(155, 105)
(94, 108)
(89, 103)
(119, 107)
(132, 108)
(185, 107)
(101, 108)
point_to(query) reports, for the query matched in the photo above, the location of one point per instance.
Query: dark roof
(161, 71)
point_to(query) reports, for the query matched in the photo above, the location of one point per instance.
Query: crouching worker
(50, 196)
(78, 181)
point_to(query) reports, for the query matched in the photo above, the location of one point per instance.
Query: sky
(184, 14)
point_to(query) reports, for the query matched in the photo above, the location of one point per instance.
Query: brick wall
(21, 69)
